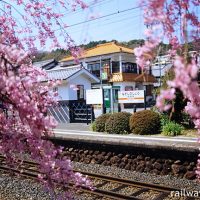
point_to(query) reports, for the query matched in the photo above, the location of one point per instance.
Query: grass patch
(190, 133)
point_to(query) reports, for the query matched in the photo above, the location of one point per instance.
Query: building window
(55, 89)
(94, 68)
(80, 92)
(115, 67)
(129, 67)
(128, 88)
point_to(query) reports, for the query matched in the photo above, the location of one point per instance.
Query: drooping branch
(25, 98)
(167, 14)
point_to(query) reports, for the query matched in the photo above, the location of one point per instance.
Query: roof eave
(97, 55)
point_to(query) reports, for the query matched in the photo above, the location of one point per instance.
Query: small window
(80, 92)
(128, 88)
(55, 89)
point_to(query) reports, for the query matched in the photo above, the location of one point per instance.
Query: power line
(113, 20)
(105, 24)
(90, 5)
(108, 15)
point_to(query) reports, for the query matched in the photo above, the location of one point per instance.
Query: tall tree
(164, 18)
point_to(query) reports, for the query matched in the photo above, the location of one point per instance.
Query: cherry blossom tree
(175, 21)
(24, 24)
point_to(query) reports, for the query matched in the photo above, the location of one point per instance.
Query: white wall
(63, 91)
(67, 93)
(160, 70)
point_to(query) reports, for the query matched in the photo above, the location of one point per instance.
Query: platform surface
(80, 132)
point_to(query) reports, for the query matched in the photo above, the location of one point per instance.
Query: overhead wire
(101, 17)
(92, 4)
(111, 19)
(113, 22)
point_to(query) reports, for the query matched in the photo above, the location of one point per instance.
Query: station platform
(79, 133)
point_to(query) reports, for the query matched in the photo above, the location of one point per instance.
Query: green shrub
(145, 122)
(101, 121)
(164, 120)
(93, 126)
(172, 129)
(154, 109)
(118, 123)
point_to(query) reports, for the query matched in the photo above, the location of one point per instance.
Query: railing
(61, 112)
(72, 111)
(120, 77)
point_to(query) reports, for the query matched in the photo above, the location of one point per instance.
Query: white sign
(94, 96)
(135, 96)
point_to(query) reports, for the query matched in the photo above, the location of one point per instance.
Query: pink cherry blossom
(162, 17)
(23, 96)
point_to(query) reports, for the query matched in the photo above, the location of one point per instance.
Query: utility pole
(101, 85)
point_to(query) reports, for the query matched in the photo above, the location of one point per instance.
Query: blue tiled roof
(62, 74)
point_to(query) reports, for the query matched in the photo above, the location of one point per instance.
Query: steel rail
(99, 192)
(129, 182)
(26, 170)
(155, 187)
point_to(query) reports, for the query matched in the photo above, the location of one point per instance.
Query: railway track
(106, 187)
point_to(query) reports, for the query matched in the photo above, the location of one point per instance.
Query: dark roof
(46, 64)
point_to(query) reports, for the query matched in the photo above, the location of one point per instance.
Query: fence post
(134, 108)
(145, 104)
(103, 104)
(92, 113)
(87, 114)
(104, 110)
(71, 113)
(119, 107)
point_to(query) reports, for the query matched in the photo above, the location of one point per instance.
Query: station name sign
(135, 96)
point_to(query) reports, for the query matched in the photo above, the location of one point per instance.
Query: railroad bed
(161, 157)
(107, 187)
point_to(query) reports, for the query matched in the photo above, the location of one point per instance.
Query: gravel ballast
(167, 180)
(13, 188)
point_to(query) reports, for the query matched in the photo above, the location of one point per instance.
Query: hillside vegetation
(59, 54)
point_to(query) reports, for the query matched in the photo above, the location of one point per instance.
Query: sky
(121, 25)
(120, 20)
